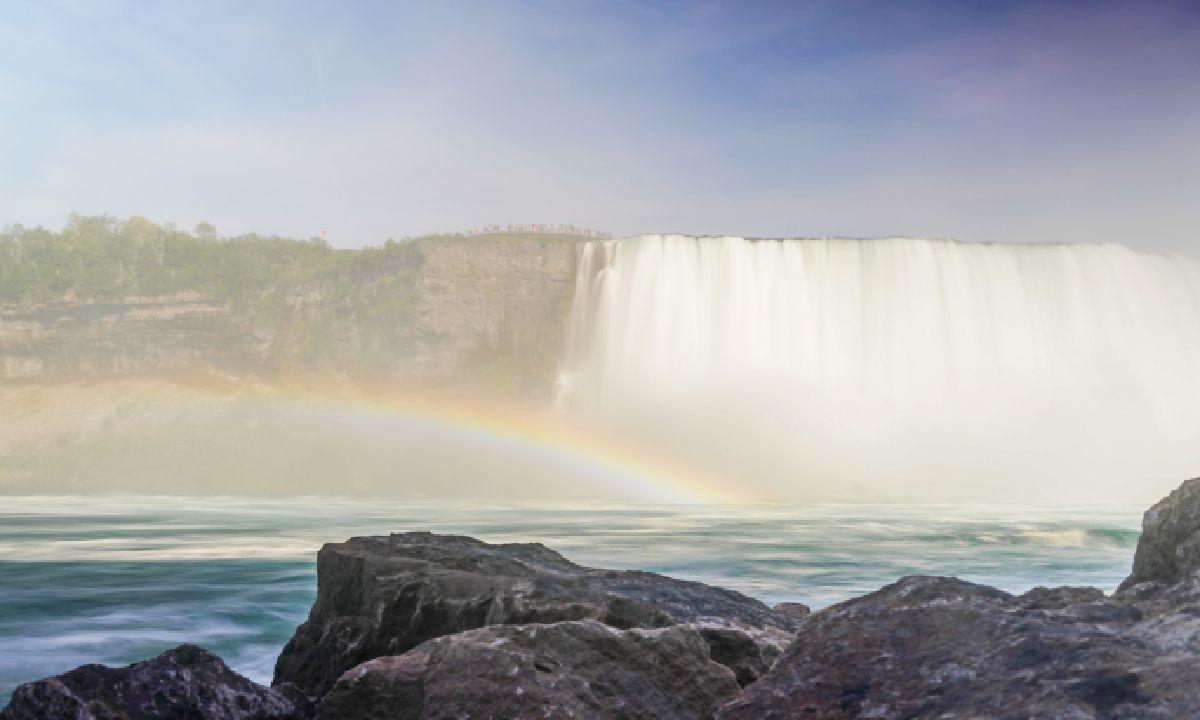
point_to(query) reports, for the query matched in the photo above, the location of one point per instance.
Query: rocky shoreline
(425, 626)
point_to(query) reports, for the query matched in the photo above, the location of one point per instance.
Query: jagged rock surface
(934, 647)
(1169, 549)
(796, 610)
(583, 670)
(186, 682)
(737, 651)
(382, 596)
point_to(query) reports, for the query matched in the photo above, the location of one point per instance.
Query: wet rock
(737, 651)
(382, 596)
(187, 682)
(1169, 548)
(1045, 598)
(795, 610)
(931, 647)
(928, 647)
(584, 670)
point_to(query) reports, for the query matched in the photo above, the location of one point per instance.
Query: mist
(896, 368)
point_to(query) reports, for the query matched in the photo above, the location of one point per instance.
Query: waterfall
(847, 363)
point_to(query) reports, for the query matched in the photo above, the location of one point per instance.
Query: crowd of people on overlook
(551, 229)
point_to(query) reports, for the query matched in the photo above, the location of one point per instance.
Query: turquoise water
(119, 579)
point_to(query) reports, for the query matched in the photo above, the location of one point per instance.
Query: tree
(206, 231)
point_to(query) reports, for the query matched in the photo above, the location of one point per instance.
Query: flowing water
(119, 579)
(1057, 371)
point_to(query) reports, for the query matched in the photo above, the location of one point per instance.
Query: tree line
(102, 258)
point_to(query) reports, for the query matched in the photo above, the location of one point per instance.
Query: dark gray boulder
(738, 652)
(934, 647)
(187, 682)
(795, 610)
(382, 596)
(583, 670)
(1169, 548)
(1046, 598)
(929, 647)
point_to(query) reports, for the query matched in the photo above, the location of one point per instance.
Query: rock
(1044, 598)
(583, 670)
(934, 647)
(929, 647)
(382, 596)
(737, 651)
(426, 312)
(1169, 548)
(163, 334)
(187, 682)
(796, 610)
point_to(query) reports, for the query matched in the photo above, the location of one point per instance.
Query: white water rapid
(887, 367)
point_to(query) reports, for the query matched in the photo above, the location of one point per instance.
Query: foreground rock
(187, 682)
(382, 596)
(934, 647)
(583, 670)
(1169, 548)
(930, 647)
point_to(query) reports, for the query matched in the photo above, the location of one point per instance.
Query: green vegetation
(101, 258)
(314, 307)
(106, 259)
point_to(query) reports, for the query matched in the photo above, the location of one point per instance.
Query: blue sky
(1039, 121)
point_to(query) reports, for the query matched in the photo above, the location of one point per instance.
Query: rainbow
(584, 453)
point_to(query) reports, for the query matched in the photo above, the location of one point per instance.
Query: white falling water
(835, 366)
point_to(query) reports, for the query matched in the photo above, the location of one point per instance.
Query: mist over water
(896, 367)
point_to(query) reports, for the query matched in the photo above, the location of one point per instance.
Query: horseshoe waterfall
(894, 367)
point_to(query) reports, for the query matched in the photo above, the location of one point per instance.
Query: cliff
(138, 334)
(487, 311)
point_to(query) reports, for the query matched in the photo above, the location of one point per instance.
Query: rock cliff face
(485, 311)
(159, 334)
(431, 627)
(488, 311)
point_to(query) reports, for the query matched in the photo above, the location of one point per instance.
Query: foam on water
(119, 579)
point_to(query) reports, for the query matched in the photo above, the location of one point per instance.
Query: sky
(989, 121)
